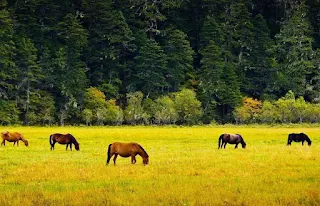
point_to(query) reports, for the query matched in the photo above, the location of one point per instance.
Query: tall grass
(186, 168)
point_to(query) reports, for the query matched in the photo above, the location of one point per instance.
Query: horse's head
(4, 133)
(309, 143)
(26, 142)
(242, 141)
(76, 145)
(145, 160)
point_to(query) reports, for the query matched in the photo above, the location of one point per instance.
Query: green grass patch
(186, 168)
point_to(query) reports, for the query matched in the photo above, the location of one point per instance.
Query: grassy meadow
(185, 168)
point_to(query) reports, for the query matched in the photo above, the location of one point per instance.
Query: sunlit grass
(186, 168)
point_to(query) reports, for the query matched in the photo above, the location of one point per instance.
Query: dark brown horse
(127, 150)
(231, 139)
(298, 138)
(67, 139)
(14, 137)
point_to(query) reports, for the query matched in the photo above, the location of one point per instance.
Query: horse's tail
(109, 153)
(289, 139)
(50, 140)
(220, 140)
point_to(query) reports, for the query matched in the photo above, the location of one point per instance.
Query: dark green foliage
(150, 66)
(138, 53)
(9, 113)
(7, 52)
(179, 57)
(294, 52)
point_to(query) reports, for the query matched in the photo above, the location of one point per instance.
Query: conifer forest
(112, 62)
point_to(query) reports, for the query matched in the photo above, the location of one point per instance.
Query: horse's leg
(225, 143)
(67, 146)
(52, 145)
(109, 158)
(236, 146)
(302, 142)
(18, 143)
(133, 159)
(71, 146)
(14, 143)
(115, 158)
(3, 142)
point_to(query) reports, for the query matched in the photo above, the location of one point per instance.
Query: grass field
(185, 168)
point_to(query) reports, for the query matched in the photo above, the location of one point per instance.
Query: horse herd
(132, 149)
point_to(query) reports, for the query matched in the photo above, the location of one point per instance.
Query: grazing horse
(67, 139)
(231, 139)
(127, 150)
(298, 138)
(13, 137)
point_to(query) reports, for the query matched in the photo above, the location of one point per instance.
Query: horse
(14, 137)
(127, 150)
(67, 139)
(231, 139)
(298, 138)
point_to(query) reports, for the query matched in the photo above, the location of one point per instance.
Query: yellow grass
(186, 168)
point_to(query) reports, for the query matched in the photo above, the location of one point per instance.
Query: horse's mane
(143, 150)
(73, 138)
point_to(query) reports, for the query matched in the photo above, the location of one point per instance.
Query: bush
(187, 106)
(134, 112)
(9, 113)
(165, 111)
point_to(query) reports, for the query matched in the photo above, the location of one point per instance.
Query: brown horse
(231, 139)
(14, 137)
(67, 139)
(127, 150)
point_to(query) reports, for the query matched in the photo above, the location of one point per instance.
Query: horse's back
(61, 138)
(298, 137)
(11, 136)
(232, 138)
(124, 149)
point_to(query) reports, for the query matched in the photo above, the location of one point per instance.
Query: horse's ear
(4, 133)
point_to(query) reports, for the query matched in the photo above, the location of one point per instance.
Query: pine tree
(69, 70)
(29, 74)
(179, 56)
(7, 51)
(110, 43)
(294, 52)
(261, 72)
(150, 64)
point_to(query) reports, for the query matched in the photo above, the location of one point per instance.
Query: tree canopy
(140, 62)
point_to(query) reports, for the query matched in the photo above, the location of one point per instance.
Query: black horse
(231, 139)
(298, 138)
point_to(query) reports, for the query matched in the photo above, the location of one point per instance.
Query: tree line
(156, 61)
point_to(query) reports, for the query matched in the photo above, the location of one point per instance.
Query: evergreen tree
(150, 64)
(294, 52)
(7, 51)
(261, 73)
(109, 44)
(69, 73)
(179, 56)
(29, 74)
(210, 85)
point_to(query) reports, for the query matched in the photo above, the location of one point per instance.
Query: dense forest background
(159, 61)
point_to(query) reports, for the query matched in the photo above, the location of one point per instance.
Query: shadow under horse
(67, 139)
(127, 150)
(231, 139)
(298, 137)
(14, 137)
